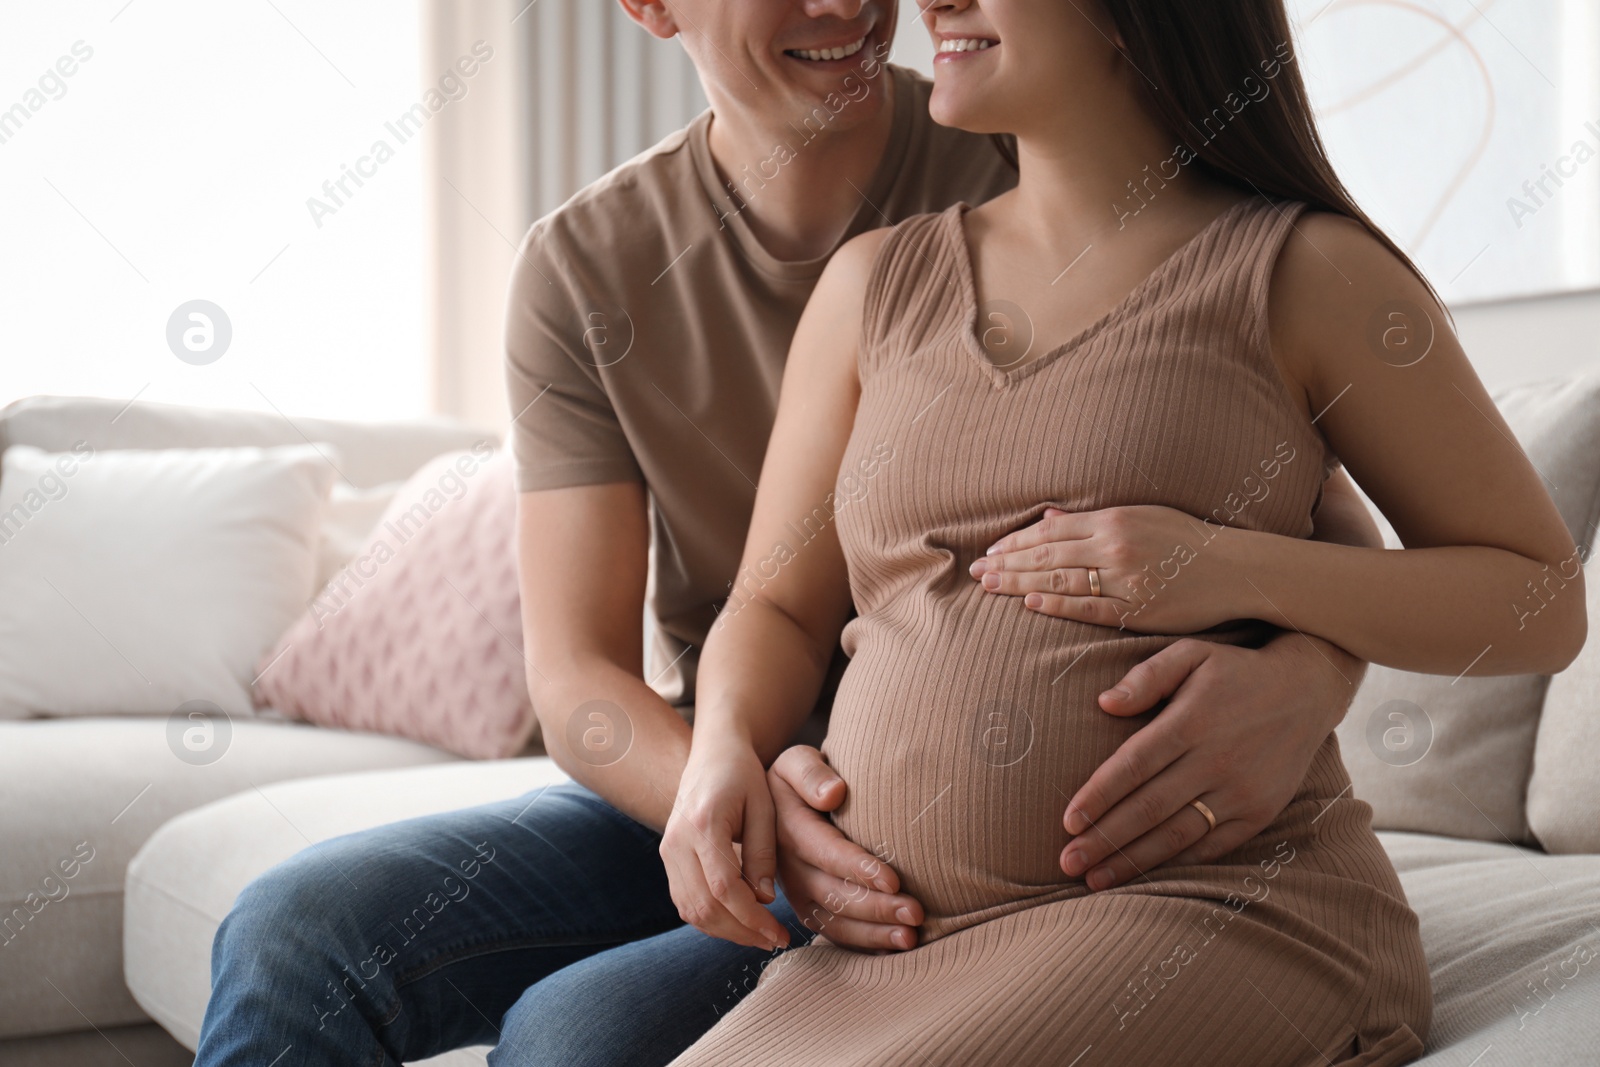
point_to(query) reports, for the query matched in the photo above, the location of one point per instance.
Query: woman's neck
(1096, 178)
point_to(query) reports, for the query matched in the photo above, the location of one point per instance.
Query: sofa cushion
(1454, 756)
(1498, 922)
(1564, 792)
(80, 796)
(138, 580)
(421, 634)
(184, 880)
(1513, 950)
(370, 453)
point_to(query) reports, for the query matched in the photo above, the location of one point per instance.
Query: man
(648, 323)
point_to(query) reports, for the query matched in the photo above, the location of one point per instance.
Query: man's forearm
(1340, 519)
(614, 734)
(1326, 668)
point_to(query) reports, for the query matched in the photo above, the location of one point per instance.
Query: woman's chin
(958, 110)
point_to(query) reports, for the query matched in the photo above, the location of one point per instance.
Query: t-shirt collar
(868, 215)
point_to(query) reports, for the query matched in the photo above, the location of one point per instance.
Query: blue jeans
(541, 925)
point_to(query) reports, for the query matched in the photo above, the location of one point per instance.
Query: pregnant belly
(960, 756)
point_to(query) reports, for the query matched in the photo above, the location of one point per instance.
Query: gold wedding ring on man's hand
(1203, 810)
(1094, 581)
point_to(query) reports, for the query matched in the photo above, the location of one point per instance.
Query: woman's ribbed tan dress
(965, 722)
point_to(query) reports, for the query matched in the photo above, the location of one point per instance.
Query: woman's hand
(1160, 571)
(719, 886)
(835, 886)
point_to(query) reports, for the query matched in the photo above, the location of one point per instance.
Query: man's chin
(825, 107)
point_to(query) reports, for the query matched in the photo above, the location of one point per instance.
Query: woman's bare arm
(1428, 445)
(764, 662)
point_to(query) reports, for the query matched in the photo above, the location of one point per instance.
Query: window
(157, 153)
(1469, 130)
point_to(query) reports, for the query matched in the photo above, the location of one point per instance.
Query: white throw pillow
(137, 581)
(351, 516)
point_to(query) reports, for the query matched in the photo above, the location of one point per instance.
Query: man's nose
(842, 9)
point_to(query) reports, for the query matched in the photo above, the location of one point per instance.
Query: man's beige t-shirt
(648, 328)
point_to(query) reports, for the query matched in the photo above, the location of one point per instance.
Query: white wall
(912, 45)
(1527, 339)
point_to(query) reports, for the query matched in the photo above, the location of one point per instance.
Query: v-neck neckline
(1002, 376)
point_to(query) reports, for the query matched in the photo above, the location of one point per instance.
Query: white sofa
(112, 781)
(1512, 931)
(1494, 916)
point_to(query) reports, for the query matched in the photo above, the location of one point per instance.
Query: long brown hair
(1193, 57)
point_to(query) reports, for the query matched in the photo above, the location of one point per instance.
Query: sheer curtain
(571, 89)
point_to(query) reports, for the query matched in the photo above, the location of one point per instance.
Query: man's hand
(836, 887)
(1238, 735)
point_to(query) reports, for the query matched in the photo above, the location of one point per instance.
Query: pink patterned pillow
(420, 634)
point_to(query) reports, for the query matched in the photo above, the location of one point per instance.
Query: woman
(1023, 513)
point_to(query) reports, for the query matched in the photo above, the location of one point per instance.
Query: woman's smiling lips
(952, 48)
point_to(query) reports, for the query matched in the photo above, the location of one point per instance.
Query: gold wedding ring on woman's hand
(1094, 581)
(1203, 810)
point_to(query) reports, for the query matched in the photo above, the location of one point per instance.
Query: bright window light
(156, 153)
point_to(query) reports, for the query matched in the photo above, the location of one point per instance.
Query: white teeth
(965, 44)
(817, 54)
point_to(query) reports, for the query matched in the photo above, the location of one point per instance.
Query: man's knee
(296, 931)
(543, 1028)
(301, 904)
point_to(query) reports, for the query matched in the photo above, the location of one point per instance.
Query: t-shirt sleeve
(564, 430)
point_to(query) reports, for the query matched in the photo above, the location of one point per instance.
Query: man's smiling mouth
(820, 55)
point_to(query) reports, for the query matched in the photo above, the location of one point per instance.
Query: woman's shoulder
(1322, 241)
(856, 256)
(864, 248)
(886, 275)
(1326, 247)
(1332, 276)
(864, 261)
